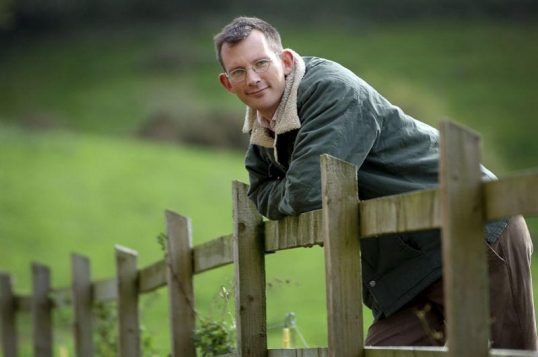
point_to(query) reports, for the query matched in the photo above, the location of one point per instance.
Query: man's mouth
(257, 92)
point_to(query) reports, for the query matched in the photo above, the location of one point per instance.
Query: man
(298, 108)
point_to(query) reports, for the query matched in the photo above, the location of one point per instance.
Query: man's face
(263, 90)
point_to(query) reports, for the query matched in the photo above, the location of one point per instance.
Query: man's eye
(261, 63)
(237, 73)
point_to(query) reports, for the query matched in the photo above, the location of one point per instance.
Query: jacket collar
(286, 116)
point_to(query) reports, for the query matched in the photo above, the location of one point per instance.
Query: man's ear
(287, 61)
(225, 82)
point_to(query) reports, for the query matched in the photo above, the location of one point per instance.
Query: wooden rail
(392, 352)
(335, 227)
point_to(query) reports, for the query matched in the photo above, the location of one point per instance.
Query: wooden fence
(460, 207)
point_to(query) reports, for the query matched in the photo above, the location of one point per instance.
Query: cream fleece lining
(286, 117)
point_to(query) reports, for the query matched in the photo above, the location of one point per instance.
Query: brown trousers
(422, 321)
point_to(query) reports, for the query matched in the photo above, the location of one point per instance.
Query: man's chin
(258, 105)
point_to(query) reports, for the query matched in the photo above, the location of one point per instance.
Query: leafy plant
(215, 334)
(213, 338)
(106, 332)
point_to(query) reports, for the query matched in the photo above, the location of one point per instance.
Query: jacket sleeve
(337, 118)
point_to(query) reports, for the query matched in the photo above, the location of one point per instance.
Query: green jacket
(341, 115)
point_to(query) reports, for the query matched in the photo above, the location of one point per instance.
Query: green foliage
(214, 335)
(162, 240)
(77, 191)
(342, 11)
(149, 345)
(6, 13)
(154, 87)
(105, 329)
(105, 337)
(213, 338)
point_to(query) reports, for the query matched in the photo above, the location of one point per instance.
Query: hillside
(65, 192)
(75, 175)
(160, 80)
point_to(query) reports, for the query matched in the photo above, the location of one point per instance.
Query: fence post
(180, 287)
(82, 305)
(464, 251)
(249, 259)
(7, 314)
(342, 257)
(41, 311)
(129, 328)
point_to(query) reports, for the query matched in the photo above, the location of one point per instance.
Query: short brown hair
(240, 28)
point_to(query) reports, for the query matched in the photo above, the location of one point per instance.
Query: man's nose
(252, 77)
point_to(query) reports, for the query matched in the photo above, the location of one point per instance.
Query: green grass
(85, 190)
(480, 74)
(112, 80)
(65, 193)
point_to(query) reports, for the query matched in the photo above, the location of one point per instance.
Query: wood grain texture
(41, 311)
(105, 290)
(304, 230)
(82, 305)
(405, 351)
(512, 353)
(342, 257)
(370, 351)
(511, 196)
(180, 285)
(213, 254)
(412, 211)
(128, 324)
(464, 250)
(152, 277)
(302, 352)
(8, 327)
(249, 258)
(23, 303)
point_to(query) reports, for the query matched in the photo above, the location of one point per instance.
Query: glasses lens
(262, 65)
(237, 75)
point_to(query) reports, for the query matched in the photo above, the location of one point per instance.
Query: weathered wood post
(7, 315)
(464, 250)
(82, 305)
(129, 327)
(179, 269)
(41, 311)
(249, 259)
(342, 257)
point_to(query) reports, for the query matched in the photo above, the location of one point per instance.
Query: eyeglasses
(240, 74)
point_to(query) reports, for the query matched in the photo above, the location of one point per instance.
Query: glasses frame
(253, 67)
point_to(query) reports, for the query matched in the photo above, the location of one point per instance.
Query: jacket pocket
(384, 254)
(409, 245)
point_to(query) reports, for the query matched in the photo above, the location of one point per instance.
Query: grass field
(91, 185)
(65, 193)
(113, 80)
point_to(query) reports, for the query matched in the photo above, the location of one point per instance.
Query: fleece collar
(286, 117)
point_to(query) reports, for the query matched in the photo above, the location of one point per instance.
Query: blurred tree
(39, 13)
(6, 14)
